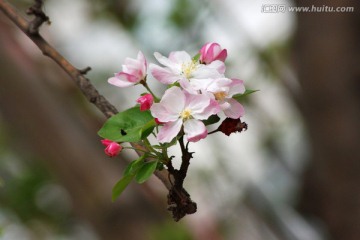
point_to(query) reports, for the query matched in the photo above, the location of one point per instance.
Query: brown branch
(31, 29)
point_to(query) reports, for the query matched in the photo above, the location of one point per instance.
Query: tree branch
(31, 28)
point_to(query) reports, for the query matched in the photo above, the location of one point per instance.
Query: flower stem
(144, 83)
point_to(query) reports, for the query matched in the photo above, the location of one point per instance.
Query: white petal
(180, 57)
(166, 61)
(173, 100)
(194, 130)
(218, 65)
(163, 75)
(162, 114)
(169, 131)
(119, 82)
(197, 103)
(236, 110)
(236, 87)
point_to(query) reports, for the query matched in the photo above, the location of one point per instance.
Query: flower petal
(236, 110)
(180, 57)
(169, 131)
(173, 100)
(163, 75)
(194, 130)
(197, 103)
(166, 61)
(237, 86)
(162, 114)
(120, 82)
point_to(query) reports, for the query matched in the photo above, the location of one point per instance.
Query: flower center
(220, 95)
(185, 114)
(188, 67)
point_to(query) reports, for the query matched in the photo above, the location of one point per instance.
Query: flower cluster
(197, 89)
(198, 94)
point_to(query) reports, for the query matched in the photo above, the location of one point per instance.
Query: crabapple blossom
(133, 71)
(145, 101)
(223, 90)
(181, 67)
(211, 52)
(111, 148)
(178, 108)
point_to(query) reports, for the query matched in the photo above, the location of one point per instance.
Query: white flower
(177, 109)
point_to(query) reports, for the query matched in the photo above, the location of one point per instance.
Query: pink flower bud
(112, 148)
(211, 52)
(145, 102)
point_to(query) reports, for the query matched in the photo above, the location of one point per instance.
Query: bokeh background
(293, 175)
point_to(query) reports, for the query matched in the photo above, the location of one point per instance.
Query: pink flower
(211, 52)
(112, 148)
(180, 67)
(177, 109)
(145, 101)
(223, 90)
(133, 71)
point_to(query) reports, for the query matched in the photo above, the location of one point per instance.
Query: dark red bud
(230, 125)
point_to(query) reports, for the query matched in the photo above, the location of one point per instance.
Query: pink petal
(236, 110)
(188, 87)
(197, 104)
(119, 82)
(180, 57)
(163, 75)
(142, 60)
(169, 131)
(194, 130)
(222, 56)
(212, 109)
(218, 65)
(173, 100)
(165, 61)
(162, 114)
(236, 87)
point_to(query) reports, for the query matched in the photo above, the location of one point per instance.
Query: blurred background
(293, 175)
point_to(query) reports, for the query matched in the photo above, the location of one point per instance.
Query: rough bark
(327, 54)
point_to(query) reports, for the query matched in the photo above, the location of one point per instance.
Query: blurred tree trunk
(49, 118)
(327, 56)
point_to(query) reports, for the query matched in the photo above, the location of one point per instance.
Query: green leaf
(134, 166)
(196, 57)
(147, 129)
(131, 125)
(120, 186)
(146, 171)
(211, 120)
(240, 97)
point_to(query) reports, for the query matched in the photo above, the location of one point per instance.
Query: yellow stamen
(188, 67)
(220, 95)
(185, 114)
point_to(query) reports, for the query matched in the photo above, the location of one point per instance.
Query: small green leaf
(131, 125)
(134, 166)
(240, 97)
(120, 186)
(196, 57)
(211, 120)
(146, 171)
